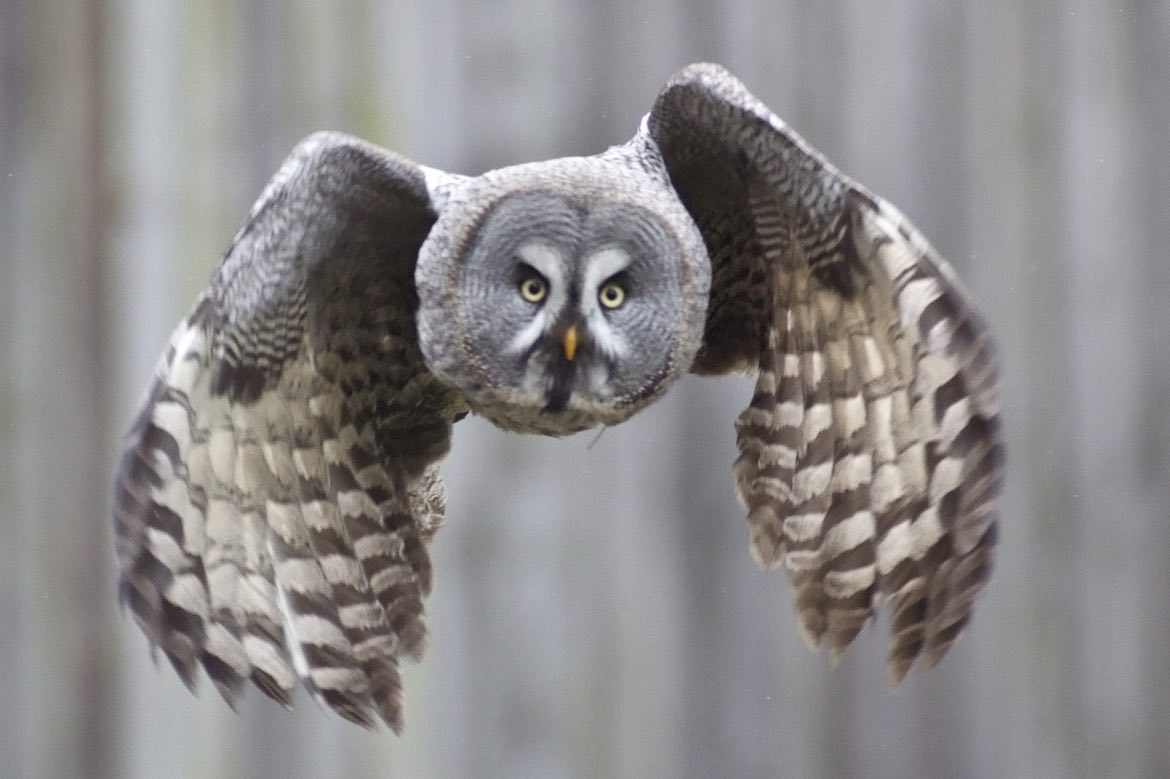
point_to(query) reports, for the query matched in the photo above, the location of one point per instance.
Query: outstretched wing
(279, 485)
(870, 455)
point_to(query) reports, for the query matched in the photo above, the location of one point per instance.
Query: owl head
(562, 295)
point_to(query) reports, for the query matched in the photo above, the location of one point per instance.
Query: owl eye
(533, 288)
(612, 294)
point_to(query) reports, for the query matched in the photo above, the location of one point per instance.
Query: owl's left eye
(612, 294)
(533, 288)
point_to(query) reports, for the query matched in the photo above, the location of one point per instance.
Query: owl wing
(279, 485)
(870, 455)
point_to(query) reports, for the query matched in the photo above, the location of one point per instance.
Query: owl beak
(569, 341)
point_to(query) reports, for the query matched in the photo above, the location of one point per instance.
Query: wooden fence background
(596, 612)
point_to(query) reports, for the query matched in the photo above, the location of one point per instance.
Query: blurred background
(596, 612)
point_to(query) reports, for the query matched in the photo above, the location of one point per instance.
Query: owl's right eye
(533, 288)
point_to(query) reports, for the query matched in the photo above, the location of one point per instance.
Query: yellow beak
(570, 342)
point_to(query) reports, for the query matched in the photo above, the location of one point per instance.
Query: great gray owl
(280, 485)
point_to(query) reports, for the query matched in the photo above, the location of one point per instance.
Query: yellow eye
(611, 295)
(533, 289)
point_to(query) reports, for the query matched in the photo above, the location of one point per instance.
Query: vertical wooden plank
(1101, 156)
(1147, 29)
(58, 276)
(15, 747)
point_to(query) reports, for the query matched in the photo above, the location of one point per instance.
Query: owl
(280, 485)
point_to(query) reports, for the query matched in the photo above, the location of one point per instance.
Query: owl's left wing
(870, 455)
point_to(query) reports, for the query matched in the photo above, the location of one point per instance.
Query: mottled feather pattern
(271, 522)
(869, 454)
(249, 564)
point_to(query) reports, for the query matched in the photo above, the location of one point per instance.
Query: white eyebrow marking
(603, 264)
(546, 259)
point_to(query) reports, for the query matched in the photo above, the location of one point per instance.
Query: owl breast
(561, 296)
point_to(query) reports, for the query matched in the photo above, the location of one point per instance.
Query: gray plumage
(280, 485)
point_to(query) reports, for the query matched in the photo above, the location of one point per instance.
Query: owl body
(280, 485)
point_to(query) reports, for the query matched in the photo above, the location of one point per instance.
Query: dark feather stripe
(769, 432)
(813, 471)
(314, 459)
(382, 533)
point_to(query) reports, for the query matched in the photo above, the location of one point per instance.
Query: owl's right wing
(870, 455)
(279, 485)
